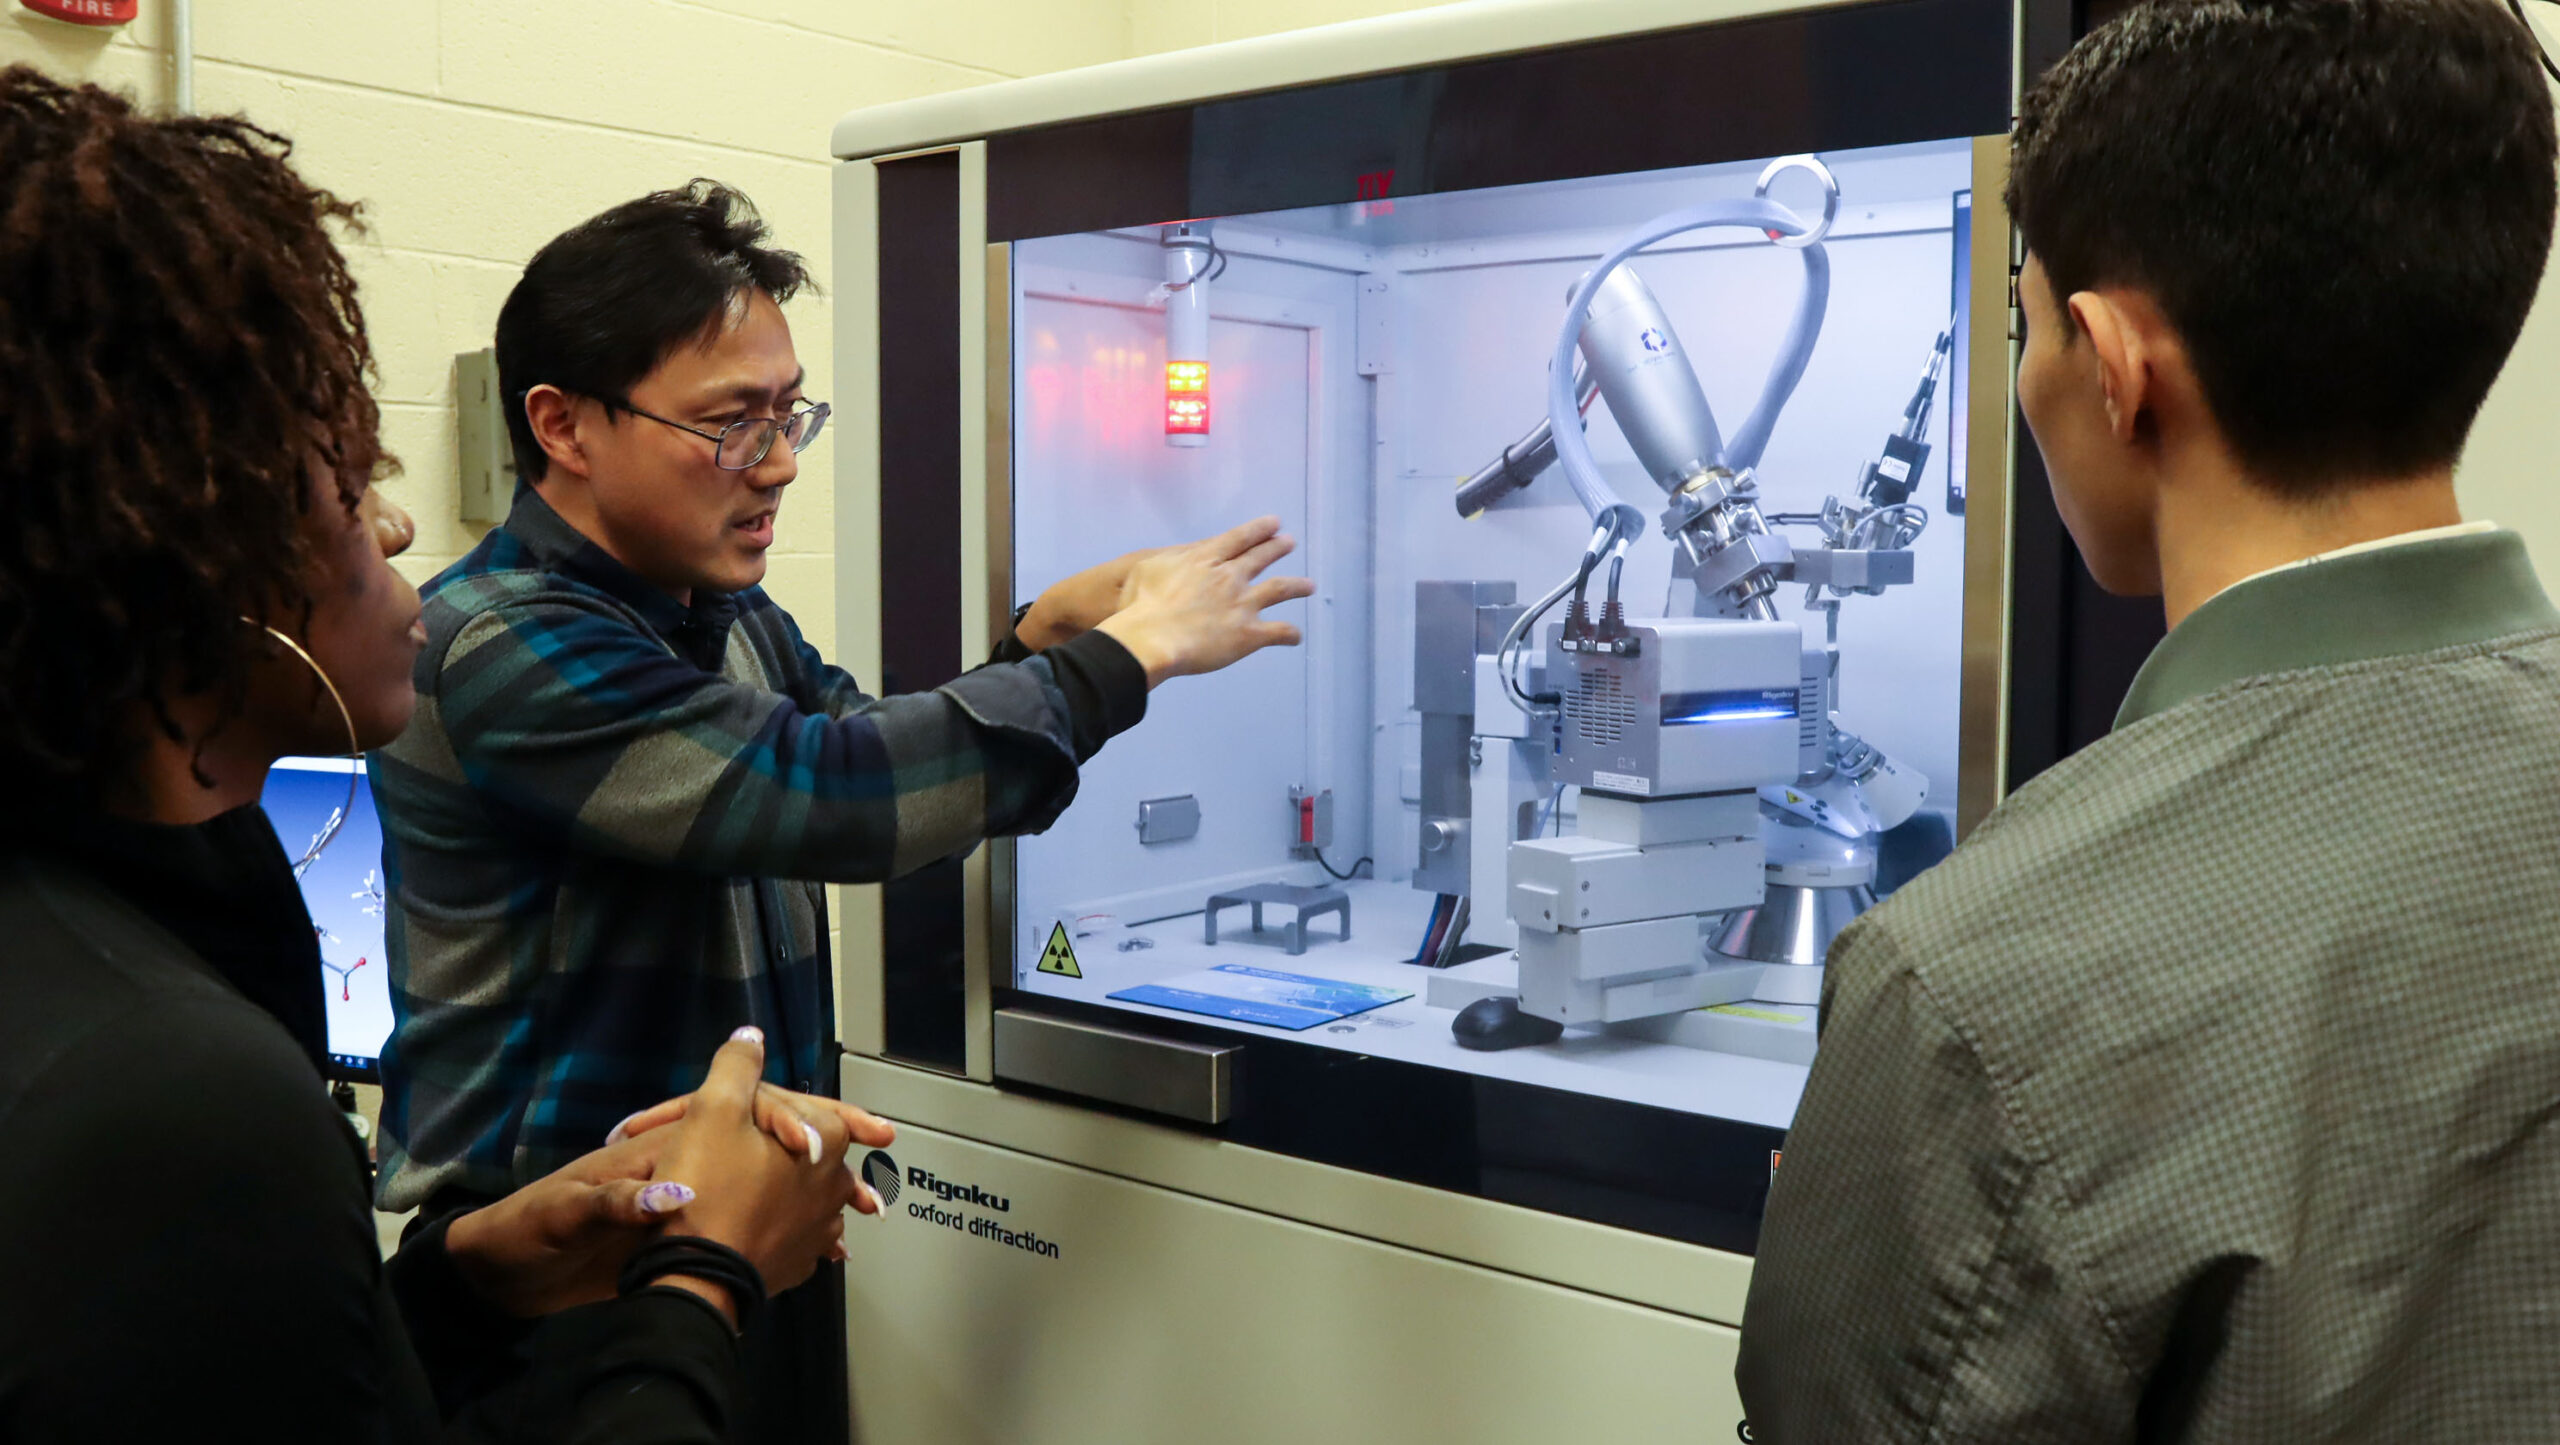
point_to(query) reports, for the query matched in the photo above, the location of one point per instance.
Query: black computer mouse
(1500, 1023)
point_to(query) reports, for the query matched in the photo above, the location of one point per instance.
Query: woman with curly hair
(194, 581)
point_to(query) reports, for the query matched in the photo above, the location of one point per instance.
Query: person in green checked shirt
(2210, 1092)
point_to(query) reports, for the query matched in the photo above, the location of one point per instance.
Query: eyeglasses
(742, 444)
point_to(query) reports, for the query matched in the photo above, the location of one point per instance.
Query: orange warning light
(1181, 376)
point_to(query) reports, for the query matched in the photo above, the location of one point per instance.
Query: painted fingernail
(749, 1034)
(664, 1197)
(810, 1132)
(619, 1132)
(878, 1209)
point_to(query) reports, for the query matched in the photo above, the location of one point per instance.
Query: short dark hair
(608, 299)
(180, 340)
(2343, 206)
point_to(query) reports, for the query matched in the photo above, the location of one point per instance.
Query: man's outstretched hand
(1075, 606)
(1198, 607)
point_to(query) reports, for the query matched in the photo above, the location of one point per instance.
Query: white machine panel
(1259, 1098)
(1586, 882)
(1090, 1308)
(1695, 707)
(1091, 483)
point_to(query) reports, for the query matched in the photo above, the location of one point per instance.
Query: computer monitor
(344, 889)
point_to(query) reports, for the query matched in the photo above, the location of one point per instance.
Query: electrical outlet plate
(487, 464)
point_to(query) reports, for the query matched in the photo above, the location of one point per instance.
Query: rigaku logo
(885, 1178)
(950, 1193)
(881, 1173)
(944, 1204)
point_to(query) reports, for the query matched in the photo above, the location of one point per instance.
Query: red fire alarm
(86, 12)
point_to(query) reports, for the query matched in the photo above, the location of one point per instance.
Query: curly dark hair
(179, 343)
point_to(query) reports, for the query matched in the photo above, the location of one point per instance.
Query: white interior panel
(1364, 358)
(1094, 477)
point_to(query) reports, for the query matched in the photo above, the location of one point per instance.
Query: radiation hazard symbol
(1060, 956)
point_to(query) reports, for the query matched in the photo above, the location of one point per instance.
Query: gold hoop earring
(328, 830)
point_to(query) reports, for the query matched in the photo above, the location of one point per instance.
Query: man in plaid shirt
(607, 829)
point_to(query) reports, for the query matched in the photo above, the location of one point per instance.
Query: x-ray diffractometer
(1396, 1037)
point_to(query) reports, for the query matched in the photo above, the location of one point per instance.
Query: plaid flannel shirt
(606, 830)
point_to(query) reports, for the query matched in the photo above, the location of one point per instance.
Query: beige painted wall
(474, 130)
(1156, 25)
(2511, 471)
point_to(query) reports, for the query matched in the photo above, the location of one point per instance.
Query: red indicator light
(1186, 416)
(1186, 398)
(1372, 189)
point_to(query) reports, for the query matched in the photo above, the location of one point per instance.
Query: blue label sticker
(1260, 996)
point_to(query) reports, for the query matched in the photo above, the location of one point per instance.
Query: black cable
(1519, 636)
(2535, 36)
(1447, 952)
(1581, 583)
(1329, 868)
(1217, 259)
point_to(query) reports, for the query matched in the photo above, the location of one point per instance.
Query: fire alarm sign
(86, 12)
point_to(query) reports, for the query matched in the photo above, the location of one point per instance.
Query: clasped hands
(755, 1167)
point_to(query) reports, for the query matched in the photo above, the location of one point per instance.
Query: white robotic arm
(1610, 920)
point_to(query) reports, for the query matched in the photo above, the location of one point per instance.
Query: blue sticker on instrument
(1654, 340)
(1260, 996)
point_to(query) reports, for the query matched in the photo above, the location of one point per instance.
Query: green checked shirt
(2211, 1091)
(606, 829)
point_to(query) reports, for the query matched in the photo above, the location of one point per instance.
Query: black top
(1105, 684)
(187, 1245)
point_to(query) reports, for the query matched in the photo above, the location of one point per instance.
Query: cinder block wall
(1156, 25)
(474, 130)
(2508, 472)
